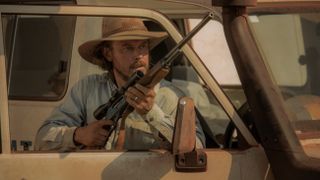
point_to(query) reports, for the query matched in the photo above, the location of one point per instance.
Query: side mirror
(184, 136)
(187, 157)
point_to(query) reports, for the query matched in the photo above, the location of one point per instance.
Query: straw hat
(116, 29)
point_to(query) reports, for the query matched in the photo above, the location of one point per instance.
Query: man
(122, 50)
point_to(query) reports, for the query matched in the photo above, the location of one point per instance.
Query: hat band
(123, 29)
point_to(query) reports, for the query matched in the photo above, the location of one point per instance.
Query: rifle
(117, 106)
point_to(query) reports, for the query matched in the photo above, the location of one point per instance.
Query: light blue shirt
(142, 132)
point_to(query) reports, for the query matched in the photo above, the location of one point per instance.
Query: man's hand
(140, 98)
(94, 134)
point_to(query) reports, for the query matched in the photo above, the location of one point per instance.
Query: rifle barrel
(173, 53)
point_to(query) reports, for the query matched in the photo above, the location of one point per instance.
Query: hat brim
(88, 50)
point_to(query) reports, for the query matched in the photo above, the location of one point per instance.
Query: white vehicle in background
(252, 72)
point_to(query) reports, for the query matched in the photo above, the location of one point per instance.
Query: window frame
(198, 65)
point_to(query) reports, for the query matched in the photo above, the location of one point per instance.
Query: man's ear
(107, 54)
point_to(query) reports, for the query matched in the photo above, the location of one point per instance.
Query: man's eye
(144, 46)
(128, 48)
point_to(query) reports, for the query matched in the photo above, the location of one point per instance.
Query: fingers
(138, 101)
(99, 140)
(141, 98)
(135, 94)
(140, 93)
(105, 123)
(102, 132)
(94, 134)
(145, 90)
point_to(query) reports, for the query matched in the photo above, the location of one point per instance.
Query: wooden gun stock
(154, 75)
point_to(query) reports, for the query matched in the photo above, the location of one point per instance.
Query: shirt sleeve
(163, 113)
(57, 131)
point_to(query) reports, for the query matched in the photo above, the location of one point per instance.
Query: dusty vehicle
(252, 72)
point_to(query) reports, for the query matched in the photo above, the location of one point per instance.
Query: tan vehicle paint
(249, 163)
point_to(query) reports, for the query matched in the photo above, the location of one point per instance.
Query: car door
(22, 113)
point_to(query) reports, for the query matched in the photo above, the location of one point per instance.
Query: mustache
(137, 65)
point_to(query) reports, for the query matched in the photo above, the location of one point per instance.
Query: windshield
(290, 46)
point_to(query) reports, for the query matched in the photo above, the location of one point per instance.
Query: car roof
(169, 7)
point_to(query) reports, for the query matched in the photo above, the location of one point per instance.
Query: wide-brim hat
(117, 29)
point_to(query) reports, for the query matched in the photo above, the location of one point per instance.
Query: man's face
(129, 56)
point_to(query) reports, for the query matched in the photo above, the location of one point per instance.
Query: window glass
(38, 51)
(290, 45)
(211, 46)
(211, 115)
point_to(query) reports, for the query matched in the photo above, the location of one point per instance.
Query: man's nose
(138, 56)
(138, 53)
